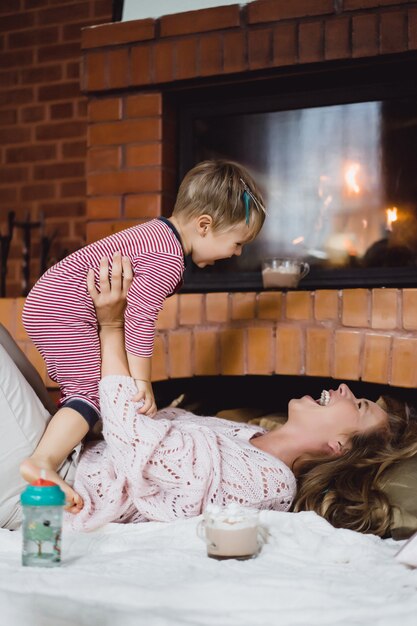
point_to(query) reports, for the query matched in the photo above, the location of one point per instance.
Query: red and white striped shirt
(60, 298)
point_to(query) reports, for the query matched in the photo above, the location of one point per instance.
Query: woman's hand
(110, 301)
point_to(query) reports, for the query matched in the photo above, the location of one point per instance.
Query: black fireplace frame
(301, 86)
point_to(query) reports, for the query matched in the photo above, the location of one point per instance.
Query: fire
(297, 240)
(351, 173)
(392, 216)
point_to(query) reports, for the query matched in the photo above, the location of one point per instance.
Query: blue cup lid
(42, 493)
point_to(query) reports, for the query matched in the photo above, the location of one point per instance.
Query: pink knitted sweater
(171, 466)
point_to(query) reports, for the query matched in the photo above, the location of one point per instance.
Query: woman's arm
(110, 304)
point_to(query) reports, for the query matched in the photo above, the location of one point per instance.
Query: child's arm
(140, 368)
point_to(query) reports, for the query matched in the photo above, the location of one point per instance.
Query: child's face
(211, 246)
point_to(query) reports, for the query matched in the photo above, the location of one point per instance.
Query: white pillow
(23, 419)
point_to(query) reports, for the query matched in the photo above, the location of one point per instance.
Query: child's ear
(204, 223)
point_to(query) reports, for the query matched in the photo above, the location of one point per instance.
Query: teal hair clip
(246, 200)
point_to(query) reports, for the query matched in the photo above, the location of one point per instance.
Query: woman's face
(339, 417)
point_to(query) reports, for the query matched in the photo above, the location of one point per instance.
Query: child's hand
(110, 301)
(145, 393)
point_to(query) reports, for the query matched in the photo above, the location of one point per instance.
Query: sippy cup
(42, 506)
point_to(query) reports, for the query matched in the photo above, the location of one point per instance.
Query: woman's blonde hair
(348, 490)
(217, 188)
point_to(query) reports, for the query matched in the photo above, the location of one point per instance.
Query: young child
(218, 209)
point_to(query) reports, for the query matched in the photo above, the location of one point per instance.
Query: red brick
(13, 174)
(16, 59)
(59, 52)
(144, 105)
(118, 75)
(31, 153)
(61, 111)
(17, 21)
(32, 114)
(352, 5)
(274, 10)
(120, 33)
(143, 205)
(285, 44)
(234, 52)
(14, 135)
(74, 149)
(102, 8)
(131, 131)
(104, 159)
(337, 38)
(7, 195)
(16, 96)
(60, 130)
(69, 209)
(9, 6)
(186, 58)
(37, 192)
(9, 79)
(141, 65)
(144, 154)
(132, 181)
(32, 4)
(232, 351)
(365, 35)
(58, 171)
(164, 61)
(211, 57)
(311, 45)
(107, 109)
(73, 189)
(58, 91)
(64, 14)
(104, 207)
(32, 38)
(72, 32)
(393, 32)
(99, 230)
(73, 70)
(200, 21)
(260, 48)
(96, 71)
(8, 116)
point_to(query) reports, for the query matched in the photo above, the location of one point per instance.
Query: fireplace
(335, 149)
(148, 82)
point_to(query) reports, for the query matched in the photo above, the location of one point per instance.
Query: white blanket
(158, 574)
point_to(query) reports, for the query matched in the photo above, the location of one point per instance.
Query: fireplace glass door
(339, 180)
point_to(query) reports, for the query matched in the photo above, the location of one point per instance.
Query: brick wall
(43, 122)
(128, 66)
(354, 334)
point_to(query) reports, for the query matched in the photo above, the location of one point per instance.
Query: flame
(392, 216)
(297, 240)
(351, 172)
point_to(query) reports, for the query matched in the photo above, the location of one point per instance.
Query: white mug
(233, 539)
(287, 273)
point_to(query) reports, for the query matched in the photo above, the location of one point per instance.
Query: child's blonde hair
(225, 191)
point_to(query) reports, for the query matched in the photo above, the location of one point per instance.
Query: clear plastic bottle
(42, 506)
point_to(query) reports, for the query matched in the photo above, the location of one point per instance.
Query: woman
(175, 464)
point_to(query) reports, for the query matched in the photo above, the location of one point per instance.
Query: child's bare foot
(31, 471)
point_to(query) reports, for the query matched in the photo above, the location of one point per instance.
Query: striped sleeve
(156, 277)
